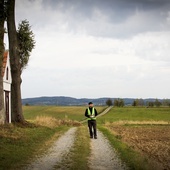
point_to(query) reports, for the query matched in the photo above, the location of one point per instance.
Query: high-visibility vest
(91, 114)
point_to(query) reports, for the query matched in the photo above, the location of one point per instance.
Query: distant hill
(70, 101)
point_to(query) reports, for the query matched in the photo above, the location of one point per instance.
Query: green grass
(136, 114)
(19, 144)
(58, 112)
(81, 150)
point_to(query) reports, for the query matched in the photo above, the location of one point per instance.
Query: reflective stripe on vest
(91, 114)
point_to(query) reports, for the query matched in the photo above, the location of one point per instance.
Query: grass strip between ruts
(81, 151)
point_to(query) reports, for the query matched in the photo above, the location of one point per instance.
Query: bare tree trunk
(16, 102)
(2, 112)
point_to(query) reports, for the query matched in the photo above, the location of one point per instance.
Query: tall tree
(157, 103)
(21, 43)
(109, 102)
(116, 103)
(2, 19)
(135, 103)
(26, 42)
(16, 103)
(119, 103)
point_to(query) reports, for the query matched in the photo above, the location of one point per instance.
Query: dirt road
(103, 156)
(56, 153)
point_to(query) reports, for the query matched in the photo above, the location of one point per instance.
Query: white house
(7, 80)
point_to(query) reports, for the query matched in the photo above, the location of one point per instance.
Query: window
(7, 72)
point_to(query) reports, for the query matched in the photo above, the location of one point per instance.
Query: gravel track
(103, 156)
(56, 153)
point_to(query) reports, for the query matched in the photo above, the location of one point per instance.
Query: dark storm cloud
(123, 7)
(112, 18)
(108, 3)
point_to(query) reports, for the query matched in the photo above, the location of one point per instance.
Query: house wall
(7, 80)
(7, 83)
(9, 105)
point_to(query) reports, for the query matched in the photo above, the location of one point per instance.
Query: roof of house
(4, 62)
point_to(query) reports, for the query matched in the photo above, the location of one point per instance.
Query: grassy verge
(133, 159)
(19, 144)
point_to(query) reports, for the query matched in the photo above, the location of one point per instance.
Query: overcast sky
(98, 48)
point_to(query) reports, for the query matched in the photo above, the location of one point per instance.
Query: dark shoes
(94, 137)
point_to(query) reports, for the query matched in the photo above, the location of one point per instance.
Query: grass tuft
(52, 122)
(9, 131)
(130, 122)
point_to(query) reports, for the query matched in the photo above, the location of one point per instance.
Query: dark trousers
(92, 128)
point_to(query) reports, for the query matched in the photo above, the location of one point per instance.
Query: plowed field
(152, 141)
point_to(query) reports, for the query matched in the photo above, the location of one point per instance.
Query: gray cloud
(108, 18)
(111, 18)
(123, 45)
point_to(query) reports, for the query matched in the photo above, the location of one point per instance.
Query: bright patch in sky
(98, 48)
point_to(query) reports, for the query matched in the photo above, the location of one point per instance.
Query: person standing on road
(91, 114)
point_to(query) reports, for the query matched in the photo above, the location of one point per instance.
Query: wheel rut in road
(103, 156)
(56, 153)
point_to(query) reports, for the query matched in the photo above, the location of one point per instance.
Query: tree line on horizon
(138, 103)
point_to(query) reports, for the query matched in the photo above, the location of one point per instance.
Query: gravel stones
(103, 156)
(56, 153)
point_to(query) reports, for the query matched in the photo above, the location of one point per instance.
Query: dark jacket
(86, 112)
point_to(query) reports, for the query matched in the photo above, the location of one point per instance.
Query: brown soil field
(152, 141)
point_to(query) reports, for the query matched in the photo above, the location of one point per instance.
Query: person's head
(90, 104)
